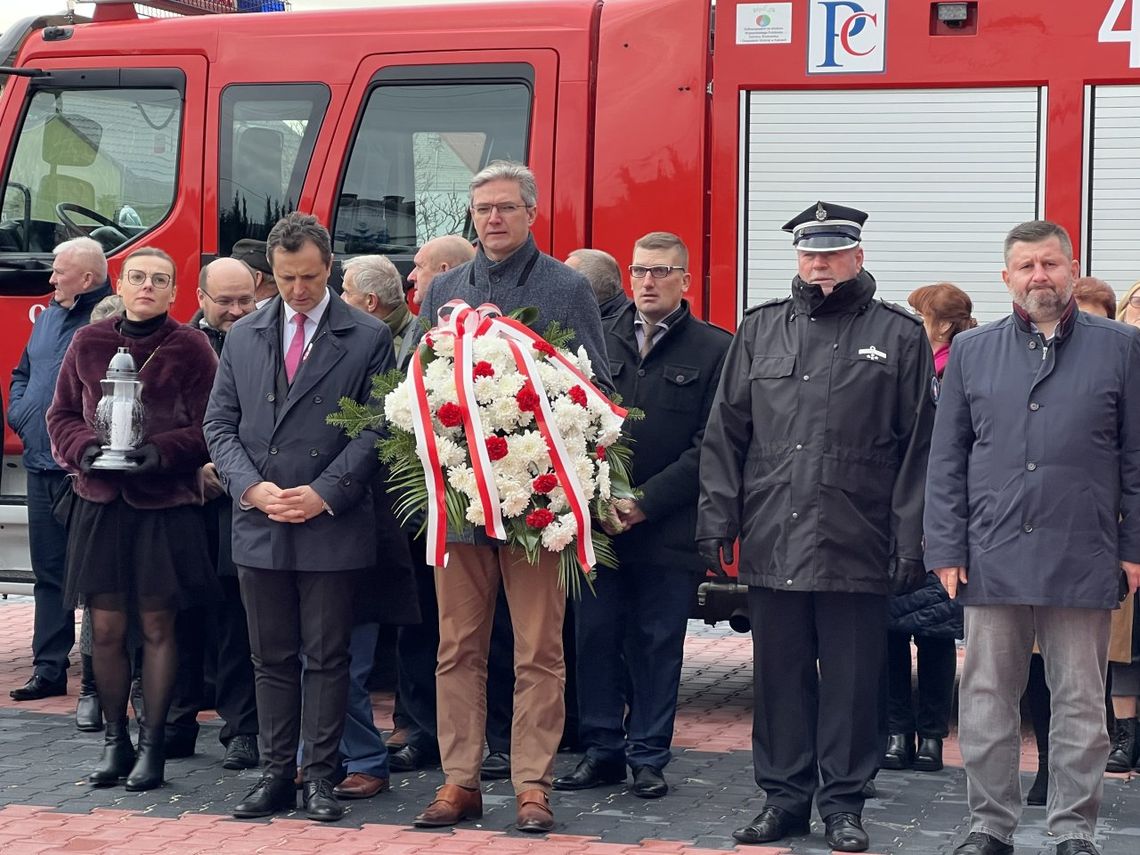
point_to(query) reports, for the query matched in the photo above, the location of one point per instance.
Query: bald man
(435, 256)
(226, 293)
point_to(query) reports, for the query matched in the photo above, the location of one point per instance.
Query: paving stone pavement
(45, 806)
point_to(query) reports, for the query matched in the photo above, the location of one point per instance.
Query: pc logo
(846, 36)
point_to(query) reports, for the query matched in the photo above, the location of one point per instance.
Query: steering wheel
(108, 229)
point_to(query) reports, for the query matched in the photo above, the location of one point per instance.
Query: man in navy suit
(303, 524)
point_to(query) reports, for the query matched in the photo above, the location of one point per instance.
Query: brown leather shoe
(397, 740)
(358, 785)
(535, 815)
(452, 804)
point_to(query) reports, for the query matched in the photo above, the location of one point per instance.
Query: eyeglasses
(1134, 300)
(657, 271)
(505, 209)
(229, 302)
(160, 281)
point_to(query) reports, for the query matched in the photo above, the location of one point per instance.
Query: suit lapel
(324, 352)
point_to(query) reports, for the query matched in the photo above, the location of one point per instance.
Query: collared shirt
(639, 322)
(312, 321)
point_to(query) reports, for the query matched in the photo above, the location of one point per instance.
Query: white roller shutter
(943, 173)
(1113, 242)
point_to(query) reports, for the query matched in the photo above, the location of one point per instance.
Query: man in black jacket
(666, 362)
(815, 456)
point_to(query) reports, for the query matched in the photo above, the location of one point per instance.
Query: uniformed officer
(815, 457)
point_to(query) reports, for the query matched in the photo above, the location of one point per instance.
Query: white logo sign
(1131, 36)
(764, 24)
(847, 36)
(872, 353)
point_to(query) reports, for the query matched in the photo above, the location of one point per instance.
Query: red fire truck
(947, 121)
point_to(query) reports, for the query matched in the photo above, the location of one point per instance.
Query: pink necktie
(296, 347)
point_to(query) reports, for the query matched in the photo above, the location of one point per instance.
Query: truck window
(97, 162)
(267, 141)
(415, 150)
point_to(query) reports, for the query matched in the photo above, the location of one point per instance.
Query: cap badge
(820, 212)
(872, 353)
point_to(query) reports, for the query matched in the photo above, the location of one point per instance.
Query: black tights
(112, 664)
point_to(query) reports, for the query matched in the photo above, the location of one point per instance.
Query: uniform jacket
(176, 367)
(33, 380)
(815, 451)
(261, 429)
(1036, 457)
(674, 385)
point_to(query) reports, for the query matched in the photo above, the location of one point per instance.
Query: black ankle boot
(151, 762)
(118, 756)
(1122, 757)
(88, 710)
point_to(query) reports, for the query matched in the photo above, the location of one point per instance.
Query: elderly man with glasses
(511, 272)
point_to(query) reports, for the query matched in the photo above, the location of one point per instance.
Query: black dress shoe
(89, 714)
(270, 795)
(1076, 847)
(38, 687)
(771, 824)
(980, 843)
(320, 802)
(648, 783)
(241, 753)
(496, 766)
(928, 758)
(844, 832)
(900, 751)
(408, 758)
(594, 773)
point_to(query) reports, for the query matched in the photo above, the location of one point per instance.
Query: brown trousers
(466, 590)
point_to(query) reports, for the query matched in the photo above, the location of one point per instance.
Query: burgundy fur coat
(176, 387)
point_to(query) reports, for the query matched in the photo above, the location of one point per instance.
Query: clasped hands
(285, 504)
(621, 516)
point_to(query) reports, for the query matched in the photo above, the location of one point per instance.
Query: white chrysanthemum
(450, 453)
(610, 429)
(505, 415)
(603, 479)
(529, 448)
(486, 389)
(560, 533)
(569, 418)
(443, 344)
(514, 502)
(584, 468)
(556, 379)
(462, 478)
(398, 406)
(558, 502)
(583, 360)
(475, 514)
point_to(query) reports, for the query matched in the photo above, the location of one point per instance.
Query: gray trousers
(999, 643)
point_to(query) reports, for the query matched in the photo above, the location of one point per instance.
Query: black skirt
(148, 556)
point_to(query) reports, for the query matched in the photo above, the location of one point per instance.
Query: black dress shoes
(844, 832)
(38, 687)
(241, 753)
(648, 783)
(593, 773)
(929, 755)
(496, 766)
(408, 758)
(900, 751)
(270, 795)
(89, 713)
(320, 802)
(771, 824)
(980, 843)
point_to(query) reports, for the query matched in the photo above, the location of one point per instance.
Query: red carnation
(577, 395)
(544, 347)
(527, 399)
(545, 483)
(601, 452)
(450, 415)
(496, 447)
(483, 369)
(540, 518)
(429, 341)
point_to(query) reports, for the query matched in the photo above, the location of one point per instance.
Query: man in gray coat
(303, 523)
(1033, 521)
(511, 272)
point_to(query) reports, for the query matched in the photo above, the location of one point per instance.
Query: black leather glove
(146, 456)
(907, 575)
(713, 550)
(90, 454)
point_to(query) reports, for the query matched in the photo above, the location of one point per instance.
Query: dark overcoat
(257, 431)
(815, 450)
(1034, 480)
(674, 385)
